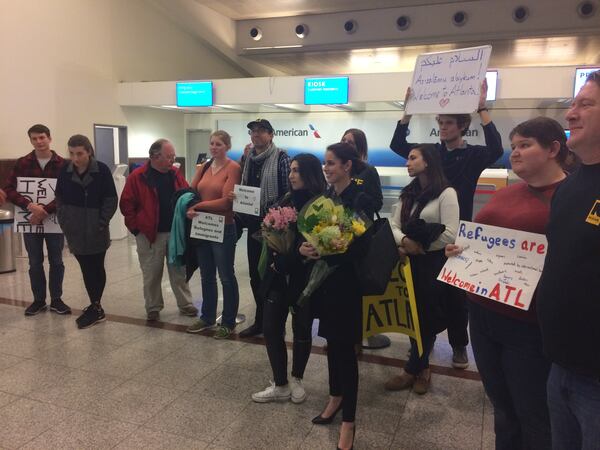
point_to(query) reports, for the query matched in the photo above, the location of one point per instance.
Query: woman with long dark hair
(507, 342)
(338, 301)
(282, 284)
(424, 222)
(86, 200)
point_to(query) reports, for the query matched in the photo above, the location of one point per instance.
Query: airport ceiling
(214, 22)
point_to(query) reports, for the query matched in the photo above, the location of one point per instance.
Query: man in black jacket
(463, 164)
(569, 289)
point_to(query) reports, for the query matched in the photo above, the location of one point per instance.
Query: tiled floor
(126, 385)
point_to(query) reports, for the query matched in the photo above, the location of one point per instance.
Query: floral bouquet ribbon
(330, 227)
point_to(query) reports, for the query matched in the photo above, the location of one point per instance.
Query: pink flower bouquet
(278, 230)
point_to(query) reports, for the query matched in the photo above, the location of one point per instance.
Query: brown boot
(400, 382)
(422, 382)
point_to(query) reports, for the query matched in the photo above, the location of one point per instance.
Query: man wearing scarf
(265, 166)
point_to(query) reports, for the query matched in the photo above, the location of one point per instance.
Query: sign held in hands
(247, 200)
(210, 227)
(448, 82)
(497, 263)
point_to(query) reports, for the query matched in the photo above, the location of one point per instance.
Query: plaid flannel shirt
(28, 166)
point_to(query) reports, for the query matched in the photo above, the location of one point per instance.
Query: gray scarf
(269, 179)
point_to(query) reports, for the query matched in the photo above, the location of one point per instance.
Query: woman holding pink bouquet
(337, 302)
(283, 281)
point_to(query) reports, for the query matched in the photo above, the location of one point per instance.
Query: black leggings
(94, 275)
(275, 314)
(343, 376)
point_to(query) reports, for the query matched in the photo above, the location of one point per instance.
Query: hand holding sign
(246, 200)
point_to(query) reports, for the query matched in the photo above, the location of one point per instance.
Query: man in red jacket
(41, 162)
(146, 204)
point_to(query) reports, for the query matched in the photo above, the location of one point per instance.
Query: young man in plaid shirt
(41, 162)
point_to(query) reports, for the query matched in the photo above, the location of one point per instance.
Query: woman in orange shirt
(214, 180)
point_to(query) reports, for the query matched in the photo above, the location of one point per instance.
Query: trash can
(7, 252)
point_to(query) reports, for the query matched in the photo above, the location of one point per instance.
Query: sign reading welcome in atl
(448, 82)
(497, 263)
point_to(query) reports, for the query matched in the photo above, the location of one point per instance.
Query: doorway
(196, 150)
(110, 143)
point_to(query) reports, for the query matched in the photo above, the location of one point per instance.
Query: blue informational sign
(326, 91)
(581, 74)
(195, 93)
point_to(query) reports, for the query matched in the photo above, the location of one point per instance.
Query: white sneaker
(273, 394)
(298, 392)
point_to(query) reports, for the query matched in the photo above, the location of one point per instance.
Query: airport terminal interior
(109, 69)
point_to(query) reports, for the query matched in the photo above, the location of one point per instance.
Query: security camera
(459, 18)
(586, 9)
(403, 22)
(256, 33)
(301, 30)
(520, 14)
(350, 26)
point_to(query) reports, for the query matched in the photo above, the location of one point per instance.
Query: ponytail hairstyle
(413, 194)
(346, 152)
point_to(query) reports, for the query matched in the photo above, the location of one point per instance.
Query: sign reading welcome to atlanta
(498, 263)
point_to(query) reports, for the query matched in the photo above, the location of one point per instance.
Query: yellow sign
(594, 215)
(396, 310)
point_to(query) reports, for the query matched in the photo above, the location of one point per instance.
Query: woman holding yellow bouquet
(337, 302)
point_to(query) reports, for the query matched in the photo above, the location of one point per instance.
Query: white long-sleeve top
(443, 209)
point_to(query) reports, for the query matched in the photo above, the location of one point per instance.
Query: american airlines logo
(297, 132)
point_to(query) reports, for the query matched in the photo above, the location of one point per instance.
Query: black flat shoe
(353, 434)
(320, 420)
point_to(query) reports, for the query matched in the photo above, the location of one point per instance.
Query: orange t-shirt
(213, 190)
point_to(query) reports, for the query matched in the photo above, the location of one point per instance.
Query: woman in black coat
(86, 200)
(338, 301)
(285, 278)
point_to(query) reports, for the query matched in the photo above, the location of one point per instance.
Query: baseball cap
(264, 123)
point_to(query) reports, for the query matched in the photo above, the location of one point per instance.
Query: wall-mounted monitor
(195, 93)
(326, 91)
(492, 81)
(581, 73)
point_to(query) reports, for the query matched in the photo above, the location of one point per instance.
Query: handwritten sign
(38, 190)
(497, 263)
(448, 82)
(210, 227)
(396, 310)
(247, 200)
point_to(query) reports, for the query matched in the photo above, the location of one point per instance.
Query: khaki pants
(152, 262)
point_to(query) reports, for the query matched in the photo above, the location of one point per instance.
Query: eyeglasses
(258, 130)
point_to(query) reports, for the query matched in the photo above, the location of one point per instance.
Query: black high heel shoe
(353, 434)
(320, 420)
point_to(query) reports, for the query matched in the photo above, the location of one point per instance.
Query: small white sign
(247, 200)
(38, 190)
(210, 227)
(448, 82)
(497, 263)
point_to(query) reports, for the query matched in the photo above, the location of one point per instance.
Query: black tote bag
(375, 269)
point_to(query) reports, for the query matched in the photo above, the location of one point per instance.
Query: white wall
(62, 61)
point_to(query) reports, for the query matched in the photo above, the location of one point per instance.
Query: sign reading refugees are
(448, 82)
(247, 200)
(497, 263)
(210, 227)
(396, 310)
(38, 190)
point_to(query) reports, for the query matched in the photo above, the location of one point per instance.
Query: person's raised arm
(399, 144)
(493, 140)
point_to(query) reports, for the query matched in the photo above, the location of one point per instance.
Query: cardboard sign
(38, 190)
(247, 200)
(210, 227)
(396, 310)
(497, 263)
(448, 82)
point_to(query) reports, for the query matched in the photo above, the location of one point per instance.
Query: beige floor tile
(146, 439)
(123, 362)
(30, 375)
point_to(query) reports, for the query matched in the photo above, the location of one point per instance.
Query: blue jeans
(513, 369)
(34, 243)
(213, 256)
(574, 402)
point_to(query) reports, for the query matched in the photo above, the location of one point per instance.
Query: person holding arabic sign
(462, 164)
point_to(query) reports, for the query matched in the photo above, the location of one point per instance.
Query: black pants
(458, 317)
(94, 275)
(254, 248)
(275, 315)
(343, 376)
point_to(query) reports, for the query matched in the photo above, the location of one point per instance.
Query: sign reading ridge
(195, 93)
(326, 91)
